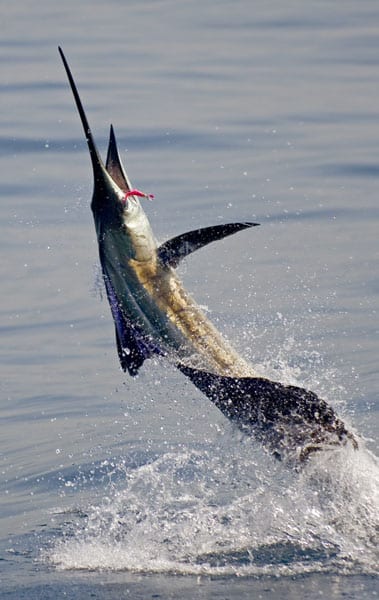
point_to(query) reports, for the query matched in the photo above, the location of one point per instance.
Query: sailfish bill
(154, 315)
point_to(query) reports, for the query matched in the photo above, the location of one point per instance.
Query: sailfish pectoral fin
(131, 356)
(174, 250)
(133, 346)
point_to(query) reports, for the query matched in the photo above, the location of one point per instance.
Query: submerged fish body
(154, 315)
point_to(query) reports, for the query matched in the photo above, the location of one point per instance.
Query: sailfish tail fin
(290, 421)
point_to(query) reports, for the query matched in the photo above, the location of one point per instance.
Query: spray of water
(228, 509)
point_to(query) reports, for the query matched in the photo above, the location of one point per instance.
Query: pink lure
(138, 193)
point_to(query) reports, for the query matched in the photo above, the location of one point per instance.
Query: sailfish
(155, 316)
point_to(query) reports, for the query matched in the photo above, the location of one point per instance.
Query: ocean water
(112, 487)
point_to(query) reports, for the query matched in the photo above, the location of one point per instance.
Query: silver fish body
(154, 315)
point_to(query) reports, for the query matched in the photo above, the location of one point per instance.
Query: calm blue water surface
(267, 111)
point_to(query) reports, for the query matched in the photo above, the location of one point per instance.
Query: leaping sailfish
(154, 315)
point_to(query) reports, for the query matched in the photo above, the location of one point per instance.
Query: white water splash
(231, 510)
(228, 508)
